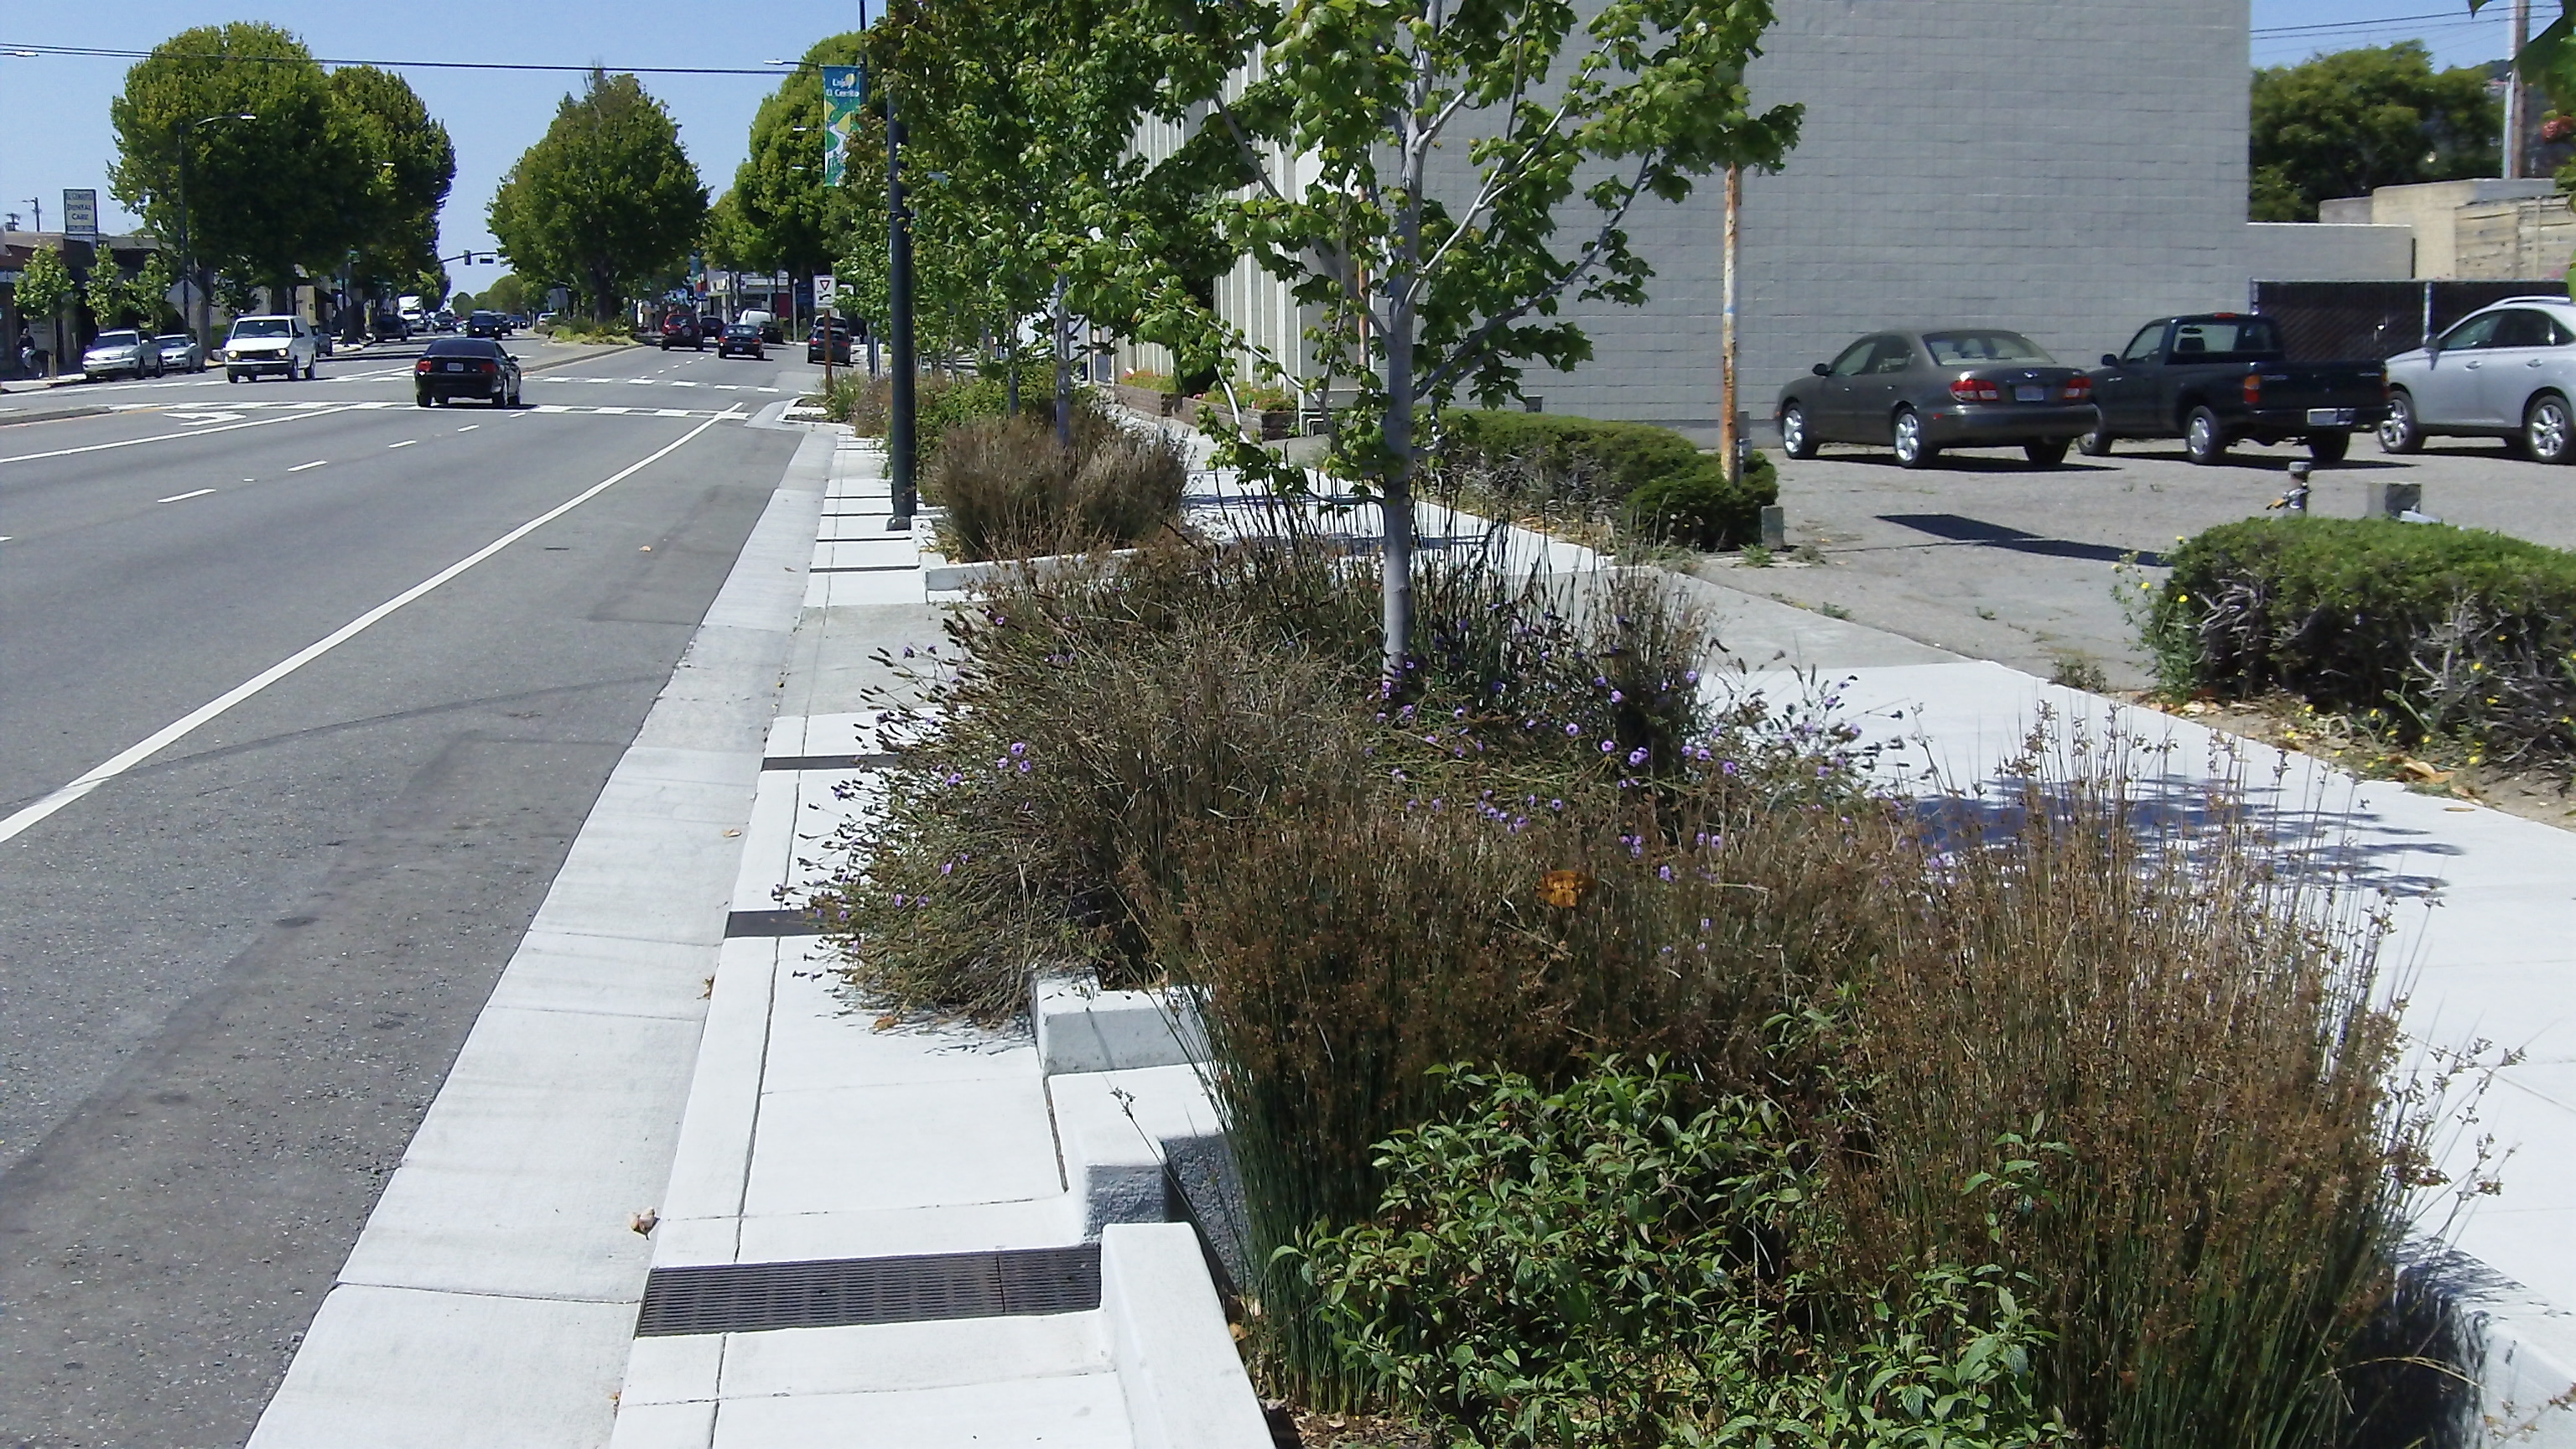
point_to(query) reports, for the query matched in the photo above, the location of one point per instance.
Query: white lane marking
(4, 538)
(179, 729)
(735, 386)
(216, 417)
(684, 412)
(184, 497)
(560, 408)
(772, 389)
(407, 442)
(166, 437)
(627, 410)
(675, 382)
(469, 427)
(318, 462)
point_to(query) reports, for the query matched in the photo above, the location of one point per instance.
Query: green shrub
(2442, 631)
(1626, 1263)
(1652, 479)
(1149, 380)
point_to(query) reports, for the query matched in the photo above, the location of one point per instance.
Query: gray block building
(2065, 168)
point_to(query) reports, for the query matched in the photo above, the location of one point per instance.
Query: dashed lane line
(179, 729)
(323, 411)
(184, 497)
(407, 442)
(316, 463)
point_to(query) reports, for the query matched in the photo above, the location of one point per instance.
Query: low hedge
(2442, 631)
(1654, 480)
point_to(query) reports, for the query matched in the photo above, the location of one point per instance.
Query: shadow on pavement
(1953, 528)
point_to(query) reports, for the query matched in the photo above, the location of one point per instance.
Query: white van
(279, 344)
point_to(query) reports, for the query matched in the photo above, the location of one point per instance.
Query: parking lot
(1988, 556)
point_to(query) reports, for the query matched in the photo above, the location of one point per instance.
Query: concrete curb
(492, 1296)
(1177, 1367)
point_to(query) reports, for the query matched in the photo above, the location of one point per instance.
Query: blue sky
(54, 129)
(53, 109)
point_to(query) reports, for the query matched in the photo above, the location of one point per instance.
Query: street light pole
(899, 423)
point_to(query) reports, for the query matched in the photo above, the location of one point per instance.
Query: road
(233, 976)
(1991, 557)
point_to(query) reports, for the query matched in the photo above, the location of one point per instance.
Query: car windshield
(2227, 334)
(116, 339)
(1970, 349)
(261, 327)
(462, 347)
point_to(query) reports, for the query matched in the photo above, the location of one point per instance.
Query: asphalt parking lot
(1988, 556)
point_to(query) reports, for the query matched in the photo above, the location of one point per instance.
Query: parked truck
(2220, 378)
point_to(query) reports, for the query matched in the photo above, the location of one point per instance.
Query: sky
(54, 131)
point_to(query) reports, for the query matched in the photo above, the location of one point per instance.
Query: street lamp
(202, 323)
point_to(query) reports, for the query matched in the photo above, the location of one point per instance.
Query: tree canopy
(607, 200)
(394, 201)
(265, 195)
(2347, 123)
(789, 220)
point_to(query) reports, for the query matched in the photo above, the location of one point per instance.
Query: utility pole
(1730, 447)
(2515, 96)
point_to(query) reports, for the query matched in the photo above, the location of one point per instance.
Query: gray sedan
(180, 353)
(1922, 392)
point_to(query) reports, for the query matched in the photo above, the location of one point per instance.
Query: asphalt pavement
(233, 973)
(1988, 556)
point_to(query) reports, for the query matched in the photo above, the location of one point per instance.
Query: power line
(216, 55)
(2456, 17)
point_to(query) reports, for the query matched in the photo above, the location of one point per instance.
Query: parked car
(180, 353)
(711, 326)
(2507, 371)
(2221, 377)
(767, 323)
(390, 327)
(257, 345)
(1922, 392)
(122, 352)
(830, 334)
(680, 329)
(455, 367)
(487, 324)
(742, 339)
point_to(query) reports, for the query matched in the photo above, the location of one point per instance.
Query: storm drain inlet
(838, 1292)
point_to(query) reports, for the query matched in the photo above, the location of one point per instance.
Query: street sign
(80, 214)
(825, 289)
(845, 90)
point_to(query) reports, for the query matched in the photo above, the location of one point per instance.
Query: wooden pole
(2515, 97)
(1729, 446)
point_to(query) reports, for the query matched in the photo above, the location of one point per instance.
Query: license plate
(452, 367)
(2030, 392)
(2329, 417)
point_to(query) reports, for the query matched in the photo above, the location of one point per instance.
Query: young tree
(2346, 123)
(1409, 165)
(789, 220)
(44, 285)
(115, 299)
(607, 199)
(265, 195)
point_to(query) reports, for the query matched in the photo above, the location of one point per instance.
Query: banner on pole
(845, 90)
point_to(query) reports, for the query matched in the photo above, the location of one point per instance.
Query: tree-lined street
(239, 971)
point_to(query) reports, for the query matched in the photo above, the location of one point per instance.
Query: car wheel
(1912, 449)
(2045, 455)
(1796, 439)
(420, 399)
(2097, 443)
(2549, 430)
(2202, 439)
(2400, 432)
(2329, 448)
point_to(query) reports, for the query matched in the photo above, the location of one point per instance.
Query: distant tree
(44, 285)
(266, 195)
(2347, 123)
(607, 200)
(507, 294)
(462, 303)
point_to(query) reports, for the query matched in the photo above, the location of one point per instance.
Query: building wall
(2063, 167)
(2433, 208)
(2307, 251)
(2524, 239)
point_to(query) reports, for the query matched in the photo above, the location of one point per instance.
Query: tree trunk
(1063, 369)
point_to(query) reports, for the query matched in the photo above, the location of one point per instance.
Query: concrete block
(673, 1369)
(893, 1357)
(912, 1145)
(1081, 1028)
(1178, 1372)
(1041, 1222)
(1082, 1411)
(664, 1426)
(711, 1164)
(1118, 1129)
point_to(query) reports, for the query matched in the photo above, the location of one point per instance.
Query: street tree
(791, 221)
(392, 204)
(44, 286)
(606, 200)
(1437, 179)
(2349, 122)
(263, 196)
(507, 294)
(115, 299)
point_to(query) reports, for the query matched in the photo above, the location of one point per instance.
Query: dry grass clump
(1010, 490)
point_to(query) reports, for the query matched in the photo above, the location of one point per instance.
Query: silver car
(2505, 371)
(180, 353)
(123, 352)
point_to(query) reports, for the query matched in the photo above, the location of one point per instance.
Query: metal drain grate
(828, 762)
(752, 1297)
(793, 922)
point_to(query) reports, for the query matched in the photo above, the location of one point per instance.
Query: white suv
(2505, 371)
(282, 345)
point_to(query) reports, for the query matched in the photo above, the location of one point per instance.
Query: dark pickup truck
(2220, 378)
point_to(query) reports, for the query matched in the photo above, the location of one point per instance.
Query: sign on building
(845, 89)
(80, 214)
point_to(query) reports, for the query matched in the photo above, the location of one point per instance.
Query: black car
(831, 334)
(1921, 392)
(455, 367)
(487, 324)
(741, 338)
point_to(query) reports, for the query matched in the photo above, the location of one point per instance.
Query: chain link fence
(2320, 321)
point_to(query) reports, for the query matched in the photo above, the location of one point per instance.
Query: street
(239, 969)
(1990, 557)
